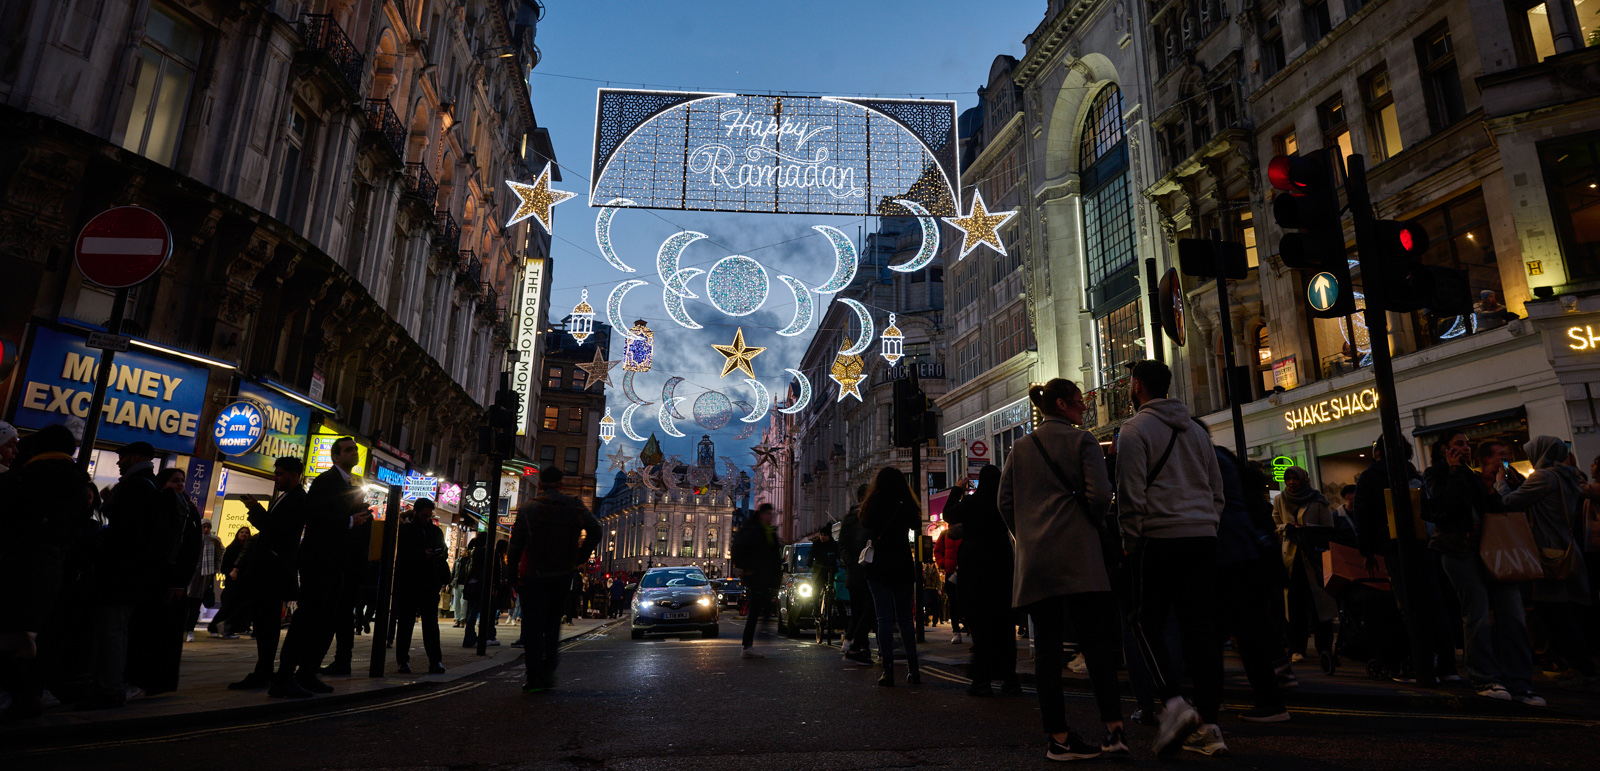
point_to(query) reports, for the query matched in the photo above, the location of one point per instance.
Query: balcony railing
(420, 184)
(1117, 397)
(324, 36)
(384, 124)
(449, 231)
(469, 266)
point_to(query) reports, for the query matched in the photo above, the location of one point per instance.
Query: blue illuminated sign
(238, 428)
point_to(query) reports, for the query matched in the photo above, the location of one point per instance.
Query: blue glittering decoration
(805, 393)
(667, 261)
(712, 410)
(737, 285)
(602, 233)
(844, 252)
(802, 307)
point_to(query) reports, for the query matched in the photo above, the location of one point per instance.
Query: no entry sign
(123, 247)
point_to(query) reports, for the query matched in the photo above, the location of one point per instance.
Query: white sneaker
(750, 653)
(1178, 720)
(49, 700)
(1495, 691)
(956, 640)
(1206, 741)
(1078, 665)
(1530, 698)
(189, 637)
(132, 692)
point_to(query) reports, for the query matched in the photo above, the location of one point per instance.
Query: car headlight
(804, 589)
(703, 601)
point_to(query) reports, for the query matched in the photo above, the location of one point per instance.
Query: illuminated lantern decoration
(608, 427)
(893, 342)
(636, 352)
(582, 319)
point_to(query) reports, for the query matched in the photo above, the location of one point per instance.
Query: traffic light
(1409, 285)
(500, 436)
(909, 415)
(1308, 207)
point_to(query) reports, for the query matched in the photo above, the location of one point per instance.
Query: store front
(260, 425)
(998, 431)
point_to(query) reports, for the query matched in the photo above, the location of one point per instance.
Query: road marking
(447, 691)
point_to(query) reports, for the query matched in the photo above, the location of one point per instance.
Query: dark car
(798, 592)
(675, 600)
(730, 592)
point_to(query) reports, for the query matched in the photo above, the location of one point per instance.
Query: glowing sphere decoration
(639, 348)
(712, 410)
(582, 319)
(737, 285)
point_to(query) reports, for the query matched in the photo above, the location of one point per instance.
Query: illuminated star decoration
(765, 455)
(620, 458)
(738, 355)
(537, 199)
(599, 370)
(846, 371)
(980, 226)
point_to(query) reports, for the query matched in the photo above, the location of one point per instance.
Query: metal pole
(486, 611)
(1157, 342)
(917, 488)
(1235, 399)
(102, 380)
(386, 552)
(1394, 443)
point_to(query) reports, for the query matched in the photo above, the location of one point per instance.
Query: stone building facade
(672, 514)
(570, 408)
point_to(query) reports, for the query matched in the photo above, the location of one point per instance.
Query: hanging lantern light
(582, 319)
(608, 427)
(893, 342)
(636, 352)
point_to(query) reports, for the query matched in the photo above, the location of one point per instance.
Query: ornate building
(672, 513)
(570, 407)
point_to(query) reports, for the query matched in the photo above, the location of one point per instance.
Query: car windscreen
(657, 580)
(802, 556)
(731, 586)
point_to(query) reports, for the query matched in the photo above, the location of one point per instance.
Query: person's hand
(249, 500)
(362, 517)
(1456, 456)
(1500, 473)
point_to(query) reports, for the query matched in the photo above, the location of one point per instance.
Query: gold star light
(537, 199)
(599, 370)
(847, 372)
(738, 355)
(980, 226)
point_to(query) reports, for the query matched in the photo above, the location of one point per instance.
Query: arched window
(687, 549)
(661, 542)
(1110, 257)
(712, 549)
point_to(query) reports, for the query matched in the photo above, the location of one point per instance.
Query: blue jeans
(892, 601)
(1494, 631)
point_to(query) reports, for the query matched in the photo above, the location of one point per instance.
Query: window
(1012, 334)
(967, 360)
(1441, 84)
(1199, 120)
(1286, 144)
(1383, 121)
(553, 378)
(917, 351)
(167, 60)
(1537, 42)
(1104, 130)
(661, 542)
(574, 456)
(966, 284)
(552, 416)
(1272, 54)
(547, 456)
(580, 380)
(1318, 24)
(291, 164)
(1107, 201)
(1120, 333)
(1246, 229)
(712, 547)
(687, 547)
(575, 419)
(1001, 178)
(1335, 130)
(1458, 237)
(1572, 175)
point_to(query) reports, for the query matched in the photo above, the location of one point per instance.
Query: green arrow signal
(1323, 291)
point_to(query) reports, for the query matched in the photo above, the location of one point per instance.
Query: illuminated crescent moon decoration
(805, 393)
(679, 283)
(666, 395)
(844, 252)
(667, 259)
(763, 400)
(746, 433)
(627, 388)
(733, 470)
(664, 416)
(802, 307)
(602, 234)
(627, 422)
(865, 341)
(930, 238)
(614, 304)
(675, 309)
(669, 476)
(743, 405)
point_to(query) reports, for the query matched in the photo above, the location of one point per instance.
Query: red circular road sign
(122, 247)
(979, 449)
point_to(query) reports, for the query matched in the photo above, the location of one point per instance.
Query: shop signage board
(284, 425)
(321, 449)
(418, 486)
(122, 247)
(477, 500)
(1332, 410)
(1286, 373)
(449, 494)
(238, 428)
(528, 317)
(148, 398)
(389, 475)
(105, 341)
(197, 481)
(1281, 465)
(1583, 338)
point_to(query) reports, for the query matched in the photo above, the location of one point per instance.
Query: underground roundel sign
(239, 428)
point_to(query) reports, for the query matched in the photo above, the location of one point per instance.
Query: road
(686, 702)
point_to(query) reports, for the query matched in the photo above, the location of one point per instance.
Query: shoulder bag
(1110, 540)
(1560, 564)
(1508, 550)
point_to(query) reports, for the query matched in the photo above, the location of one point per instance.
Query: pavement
(686, 702)
(209, 664)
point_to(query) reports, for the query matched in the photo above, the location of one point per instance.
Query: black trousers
(1250, 614)
(863, 617)
(1303, 620)
(760, 605)
(1099, 637)
(352, 611)
(410, 603)
(994, 634)
(266, 617)
(312, 629)
(1178, 576)
(544, 600)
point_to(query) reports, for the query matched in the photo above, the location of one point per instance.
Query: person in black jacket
(161, 619)
(419, 573)
(267, 568)
(224, 624)
(123, 570)
(335, 505)
(759, 558)
(855, 644)
(986, 562)
(890, 517)
(552, 540)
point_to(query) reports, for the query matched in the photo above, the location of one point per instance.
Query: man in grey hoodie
(1169, 501)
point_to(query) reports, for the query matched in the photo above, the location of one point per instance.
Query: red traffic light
(1295, 174)
(1409, 239)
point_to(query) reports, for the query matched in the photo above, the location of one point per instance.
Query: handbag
(1508, 550)
(1560, 564)
(866, 553)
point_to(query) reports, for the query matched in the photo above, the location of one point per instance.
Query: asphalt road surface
(692, 703)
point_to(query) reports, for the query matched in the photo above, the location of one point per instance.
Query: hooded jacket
(1185, 499)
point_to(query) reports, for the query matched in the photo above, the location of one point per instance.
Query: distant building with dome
(686, 515)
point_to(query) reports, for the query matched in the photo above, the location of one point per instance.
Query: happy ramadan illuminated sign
(785, 154)
(1332, 410)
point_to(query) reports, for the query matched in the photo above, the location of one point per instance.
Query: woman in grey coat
(1553, 499)
(1311, 609)
(1054, 495)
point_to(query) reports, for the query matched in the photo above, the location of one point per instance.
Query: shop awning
(1496, 420)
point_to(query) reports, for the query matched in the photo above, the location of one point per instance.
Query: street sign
(106, 341)
(122, 247)
(1323, 291)
(978, 449)
(1170, 296)
(239, 428)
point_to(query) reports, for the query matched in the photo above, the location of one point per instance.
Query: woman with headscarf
(1311, 608)
(1553, 499)
(985, 562)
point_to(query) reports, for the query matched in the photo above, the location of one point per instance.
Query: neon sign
(1281, 465)
(1584, 338)
(1330, 410)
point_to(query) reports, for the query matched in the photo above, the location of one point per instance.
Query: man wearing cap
(266, 571)
(420, 571)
